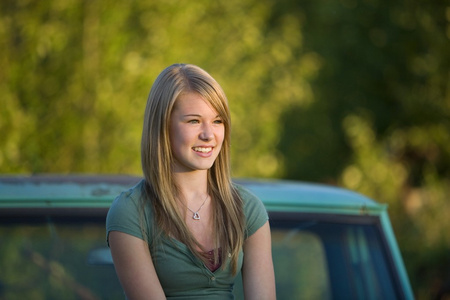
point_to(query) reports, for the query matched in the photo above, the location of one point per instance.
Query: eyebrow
(198, 116)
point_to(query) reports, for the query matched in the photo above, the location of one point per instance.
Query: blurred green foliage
(348, 92)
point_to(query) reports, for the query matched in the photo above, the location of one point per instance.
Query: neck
(193, 186)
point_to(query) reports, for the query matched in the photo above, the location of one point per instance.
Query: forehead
(191, 103)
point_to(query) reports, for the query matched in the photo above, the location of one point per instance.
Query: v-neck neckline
(182, 246)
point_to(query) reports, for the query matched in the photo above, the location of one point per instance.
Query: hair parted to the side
(157, 161)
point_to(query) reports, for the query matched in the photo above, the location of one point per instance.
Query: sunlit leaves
(81, 72)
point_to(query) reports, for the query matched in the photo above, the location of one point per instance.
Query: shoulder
(254, 210)
(128, 200)
(249, 200)
(127, 210)
(244, 192)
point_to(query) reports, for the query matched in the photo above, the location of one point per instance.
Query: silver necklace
(195, 215)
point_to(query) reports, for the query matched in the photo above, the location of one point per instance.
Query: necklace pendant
(196, 216)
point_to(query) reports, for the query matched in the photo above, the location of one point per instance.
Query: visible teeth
(204, 150)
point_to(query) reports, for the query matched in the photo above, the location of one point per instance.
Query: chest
(179, 271)
(201, 227)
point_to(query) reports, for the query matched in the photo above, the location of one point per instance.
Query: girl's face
(196, 133)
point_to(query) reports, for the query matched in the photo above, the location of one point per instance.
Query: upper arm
(257, 271)
(134, 267)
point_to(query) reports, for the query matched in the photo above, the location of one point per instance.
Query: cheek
(175, 138)
(181, 136)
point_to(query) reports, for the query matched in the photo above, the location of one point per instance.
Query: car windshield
(316, 260)
(330, 257)
(313, 259)
(50, 259)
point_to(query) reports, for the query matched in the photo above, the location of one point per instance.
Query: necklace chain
(195, 214)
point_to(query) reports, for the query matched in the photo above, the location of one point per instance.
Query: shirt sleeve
(124, 215)
(255, 212)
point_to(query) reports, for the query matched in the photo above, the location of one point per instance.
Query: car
(327, 242)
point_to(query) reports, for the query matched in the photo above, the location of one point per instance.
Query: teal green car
(328, 243)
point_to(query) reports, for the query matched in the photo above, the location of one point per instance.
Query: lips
(202, 149)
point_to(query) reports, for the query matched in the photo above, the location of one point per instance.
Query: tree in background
(380, 119)
(347, 92)
(77, 74)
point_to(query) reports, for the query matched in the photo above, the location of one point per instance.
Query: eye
(218, 121)
(193, 121)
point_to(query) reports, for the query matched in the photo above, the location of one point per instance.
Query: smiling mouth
(202, 149)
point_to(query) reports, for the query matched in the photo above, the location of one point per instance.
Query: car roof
(286, 195)
(64, 191)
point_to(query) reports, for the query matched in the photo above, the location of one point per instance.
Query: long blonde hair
(157, 160)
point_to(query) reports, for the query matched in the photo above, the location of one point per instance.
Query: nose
(206, 133)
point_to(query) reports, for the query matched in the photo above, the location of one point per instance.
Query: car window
(316, 259)
(49, 259)
(300, 265)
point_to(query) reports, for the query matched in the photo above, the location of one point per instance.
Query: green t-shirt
(181, 273)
